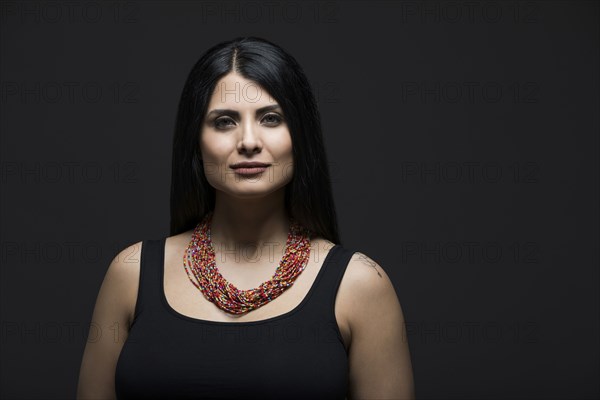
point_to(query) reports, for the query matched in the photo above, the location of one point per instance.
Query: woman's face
(244, 124)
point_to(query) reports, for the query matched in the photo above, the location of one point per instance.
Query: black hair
(308, 196)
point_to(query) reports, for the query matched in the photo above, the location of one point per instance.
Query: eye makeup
(222, 119)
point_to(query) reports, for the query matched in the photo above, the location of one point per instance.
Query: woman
(252, 295)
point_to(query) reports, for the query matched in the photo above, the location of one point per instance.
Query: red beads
(199, 261)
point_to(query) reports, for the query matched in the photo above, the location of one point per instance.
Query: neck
(252, 228)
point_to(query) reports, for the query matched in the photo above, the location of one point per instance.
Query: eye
(272, 119)
(223, 122)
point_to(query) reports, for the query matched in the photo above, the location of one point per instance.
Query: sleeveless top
(297, 355)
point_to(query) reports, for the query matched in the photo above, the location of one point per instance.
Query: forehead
(235, 91)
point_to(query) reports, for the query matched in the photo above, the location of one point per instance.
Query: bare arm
(110, 325)
(380, 365)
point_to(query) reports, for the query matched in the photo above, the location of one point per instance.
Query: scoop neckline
(287, 314)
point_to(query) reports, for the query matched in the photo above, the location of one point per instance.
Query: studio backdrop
(462, 140)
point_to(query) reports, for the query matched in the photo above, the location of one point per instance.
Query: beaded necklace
(200, 259)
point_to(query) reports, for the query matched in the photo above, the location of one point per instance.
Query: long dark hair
(308, 196)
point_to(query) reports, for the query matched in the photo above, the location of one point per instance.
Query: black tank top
(297, 355)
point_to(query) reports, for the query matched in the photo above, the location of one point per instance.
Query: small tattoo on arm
(367, 261)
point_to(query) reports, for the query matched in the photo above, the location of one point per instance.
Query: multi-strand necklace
(199, 261)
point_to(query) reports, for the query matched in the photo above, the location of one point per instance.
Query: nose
(250, 141)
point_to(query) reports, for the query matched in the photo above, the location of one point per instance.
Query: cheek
(283, 146)
(285, 158)
(215, 148)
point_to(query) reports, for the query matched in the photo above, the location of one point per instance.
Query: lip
(249, 164)
(249, 171)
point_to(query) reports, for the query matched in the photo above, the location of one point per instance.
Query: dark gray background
(463, 143)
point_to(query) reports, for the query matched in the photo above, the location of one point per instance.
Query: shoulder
(113, 309)
(366, 275)
(128, 255)
(366, 288)
(376, 322)
(362, 272)
(121, 280)
(127, 259)
(174, 244)
(320, 247)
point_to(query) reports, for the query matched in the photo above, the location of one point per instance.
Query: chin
(251, 190)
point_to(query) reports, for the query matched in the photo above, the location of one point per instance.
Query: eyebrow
(236, 114)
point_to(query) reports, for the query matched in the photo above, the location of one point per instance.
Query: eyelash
(217, 121)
